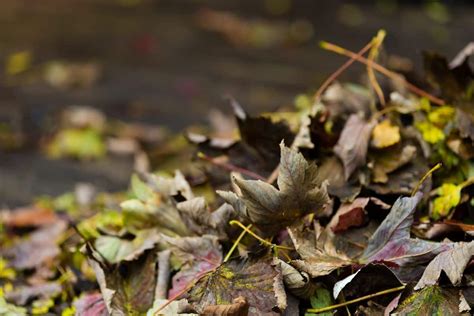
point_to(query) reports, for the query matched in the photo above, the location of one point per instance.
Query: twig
(383, 70)
(363, 298)
(467, 183)
(340, 70)
(436, 167)
(377, 42)
(230, 167)
(263, 241)
(163, 274)
(236, 243)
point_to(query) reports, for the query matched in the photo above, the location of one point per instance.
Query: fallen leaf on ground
(299, 193)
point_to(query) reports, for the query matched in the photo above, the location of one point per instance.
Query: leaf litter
(331, 207)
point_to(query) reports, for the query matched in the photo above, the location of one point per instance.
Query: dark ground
(160, 67)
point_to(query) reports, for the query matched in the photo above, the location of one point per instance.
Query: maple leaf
(318, 253)
(392, 241)
(449, 195)
(259, 282)
(196, 256)
(128, 288)
(299, 193)
(452, 262)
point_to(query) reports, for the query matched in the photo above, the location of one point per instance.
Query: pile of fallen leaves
(355, 201)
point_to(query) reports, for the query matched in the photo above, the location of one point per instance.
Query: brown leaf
(353, 143)
(259, 282)
(239, 307)
(28, 217)
(299, 193)
(39, 247)
(452, 262)
(353, 214)
(317, 251)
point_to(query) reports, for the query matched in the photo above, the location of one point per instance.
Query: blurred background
(167, 63)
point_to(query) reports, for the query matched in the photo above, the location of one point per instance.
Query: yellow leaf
(430, 133)
(385, 134)
(449, 195)
(441, 115)
(18, 62)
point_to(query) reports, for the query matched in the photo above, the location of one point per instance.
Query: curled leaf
(353, 143)
(299, 192)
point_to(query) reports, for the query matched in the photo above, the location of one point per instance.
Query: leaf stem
(263, 241)
(467, 183)
(377, 42)
(390, 74)
(236, 243)
(230, 167)
(363, 298)
(436, 167)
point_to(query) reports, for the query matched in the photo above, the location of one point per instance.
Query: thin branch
(230, 167)
(436, 167)
(263, 241)
(236, 243)
(363, 298)
(163, 274)
(383, 70)
(377, 42)
(340, 70)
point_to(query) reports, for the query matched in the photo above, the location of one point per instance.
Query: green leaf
(449, 196)
(432, 300)
(141, 190)
(115, 249)
(77, 143)
(7, 309)
(322, 298)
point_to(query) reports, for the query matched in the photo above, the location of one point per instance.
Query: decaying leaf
(298, 283)
(239, 307)
(385, 134)
(39, 247)
(196, 256)
(318, 253)
(115, 249)
(299, 193)
(353, 143)
(432, 300)
(259, 282)
(452, 262)
(369, 279)
(196, 214)
(174, 308)
(28, 217)
(392, 242)
(353, 214)
(21, 295)
(129, 287)
(90, 304)
(7, 309)
(388, 161)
